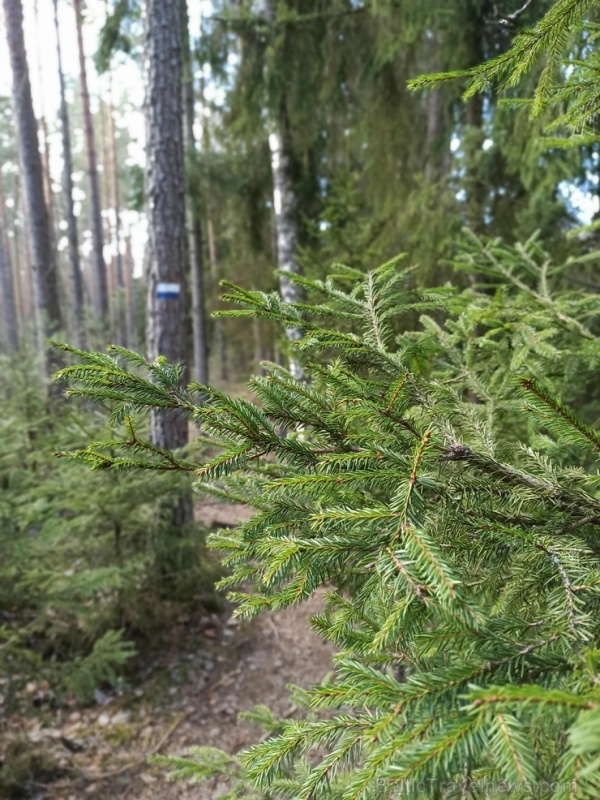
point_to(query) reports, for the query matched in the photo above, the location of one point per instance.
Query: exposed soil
(188, 695)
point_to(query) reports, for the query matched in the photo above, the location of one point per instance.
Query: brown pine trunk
(13, 262)
(219, 334)
(100, 282)
(194, 229)
(10, 318)
(165, 201)
(45, 134)
(131, 304)
(122, 331)
(438, 151)
(76, 279)
(474, 134)
(22, 259)
(166, 212)
(47, 299)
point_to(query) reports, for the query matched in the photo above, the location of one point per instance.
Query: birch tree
(285, 201)
(46, 288)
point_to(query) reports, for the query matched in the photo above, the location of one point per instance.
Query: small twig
(416, 588)
(568, 587)
(508, 19)
(101, 776)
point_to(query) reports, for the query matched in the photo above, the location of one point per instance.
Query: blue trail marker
(168, 291)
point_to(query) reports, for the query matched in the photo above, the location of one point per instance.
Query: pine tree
(441, 484)
(194, 229)
(100, 281)
(77, 296)
(457, 543)
(43, 261)
(10, 317)
(166, 210)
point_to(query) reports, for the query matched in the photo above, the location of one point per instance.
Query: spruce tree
(441, 484)
(459, 558)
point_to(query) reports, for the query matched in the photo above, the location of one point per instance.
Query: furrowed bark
(100, 282)
(194, 229)
(76, 279)
(46, 289)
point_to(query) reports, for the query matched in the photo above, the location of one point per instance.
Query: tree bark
(47, 298)
(219, 334)
(438, 151)
(474, 133)
(131, 304)
(123, 334)
(100, 282)
(23, 259)
(194, 229)
(45, 133)
(14, 271)
(165, 202)
(77, 294)
(285, 201)
(10, 316)
(285, 205)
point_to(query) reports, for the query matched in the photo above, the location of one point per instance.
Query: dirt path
(187, 698)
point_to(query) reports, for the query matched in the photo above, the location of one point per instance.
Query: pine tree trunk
(220, 343)
(45, 133)
(77, 294)
(23, 259)
(131, 304)
(193, 219)
(47, 298)
(476, 189)
(474, 133)
(165, 202)
(10, 316)
(100, 282)
(219, 334)
(13, 262)
(438, 152)
(121, 316)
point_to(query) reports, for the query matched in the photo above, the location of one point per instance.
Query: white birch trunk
(285, 206)
(285, 203)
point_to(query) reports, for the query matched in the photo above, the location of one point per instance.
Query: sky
(128, 85)
(40, 43)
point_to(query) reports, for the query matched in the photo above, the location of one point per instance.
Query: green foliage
(118, 33)
(564, 41)
(209, 762)
(437, 485)
(85, 556)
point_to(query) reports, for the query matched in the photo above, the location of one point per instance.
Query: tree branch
(508, 19)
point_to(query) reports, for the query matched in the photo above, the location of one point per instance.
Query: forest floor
(211, 668)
